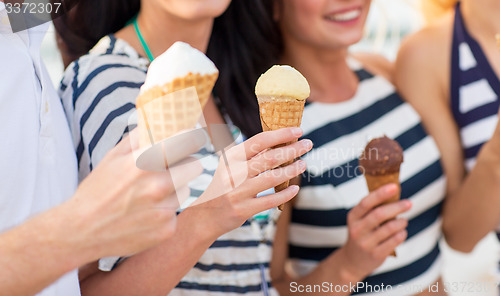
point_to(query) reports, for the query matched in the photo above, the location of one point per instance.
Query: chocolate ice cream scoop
(380, 162)
(381, 156)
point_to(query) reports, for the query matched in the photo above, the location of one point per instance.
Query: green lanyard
(143, 42)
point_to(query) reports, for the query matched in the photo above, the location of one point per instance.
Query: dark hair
(240, 46)
(90, 20)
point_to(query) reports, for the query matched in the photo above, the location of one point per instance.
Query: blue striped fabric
(475, 91)
(98, 93)
(333, 184)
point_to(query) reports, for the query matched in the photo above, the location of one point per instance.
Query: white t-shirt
(37, 166)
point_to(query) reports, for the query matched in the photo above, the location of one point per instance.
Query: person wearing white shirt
(47, 230)
(38, 172)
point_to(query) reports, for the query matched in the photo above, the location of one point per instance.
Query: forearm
(158, 270)
(39, 251)
(334, 270)
(474, 209)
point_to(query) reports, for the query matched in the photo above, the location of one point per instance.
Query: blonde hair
(434, 9)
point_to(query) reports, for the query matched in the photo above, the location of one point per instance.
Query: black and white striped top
(98, 92)
(475, 91)
(332, 184)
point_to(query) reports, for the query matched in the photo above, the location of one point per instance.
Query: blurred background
(389, 22)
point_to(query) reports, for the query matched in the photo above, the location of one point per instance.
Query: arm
(422, 77)
(370, 242)
(40, 245)
(219, 210)
(100, 220)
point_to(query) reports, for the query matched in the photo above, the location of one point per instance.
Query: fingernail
(407, 204)
(294, 188)
(302, 164)
(401, 234)
(297, 131)
(391, 188)
(307, 144)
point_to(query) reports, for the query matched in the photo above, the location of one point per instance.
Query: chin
(343, 41)
(351, 40)
(206, 9)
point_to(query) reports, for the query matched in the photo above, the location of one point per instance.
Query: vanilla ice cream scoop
(281, 93)
(283, 81)
(178, 61)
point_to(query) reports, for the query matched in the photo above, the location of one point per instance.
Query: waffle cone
(170, 108)
(376, 181)
(498, 41)
(277, 113)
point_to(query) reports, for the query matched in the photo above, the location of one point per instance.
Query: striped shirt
(332, 185)
(98, 93)
(475, 91)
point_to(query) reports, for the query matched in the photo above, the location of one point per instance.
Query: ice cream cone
(176, 106)
(498, 40)
(380, 162)
(374, 182)
(281, 93)
(277, 113)
(178, 86)
(203, 84)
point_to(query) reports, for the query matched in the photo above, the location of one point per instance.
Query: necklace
(143, 42)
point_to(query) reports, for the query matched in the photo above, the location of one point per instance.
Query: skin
(423, 77)
(158, 270)
(318, 48)
(140, 213)
(57, 243)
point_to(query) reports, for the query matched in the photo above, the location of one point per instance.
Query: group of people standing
(440, 101)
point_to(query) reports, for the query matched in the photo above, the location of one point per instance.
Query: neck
(483, 15)
(326, 70)
(161, 29)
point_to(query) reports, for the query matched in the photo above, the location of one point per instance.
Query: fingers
(273, 178)
(276, 157)
(386, 231)
(384, 213)
(387, 247)
(265, 140)
(373, 200)
(261, 204)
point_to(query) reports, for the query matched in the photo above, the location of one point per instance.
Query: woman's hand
(250, 168)
(373, 232)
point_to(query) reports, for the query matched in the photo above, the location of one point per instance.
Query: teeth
(345, 16)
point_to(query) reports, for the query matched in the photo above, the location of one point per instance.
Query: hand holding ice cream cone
(281, 93)
(380, 163)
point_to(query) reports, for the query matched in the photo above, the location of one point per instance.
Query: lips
(345, 16)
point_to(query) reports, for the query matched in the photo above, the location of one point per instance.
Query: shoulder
(108, 63)
(98, 92)
(376, 64)
(108, 70)
(424, 57)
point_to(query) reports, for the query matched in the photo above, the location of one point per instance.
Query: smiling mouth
(344, 16)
